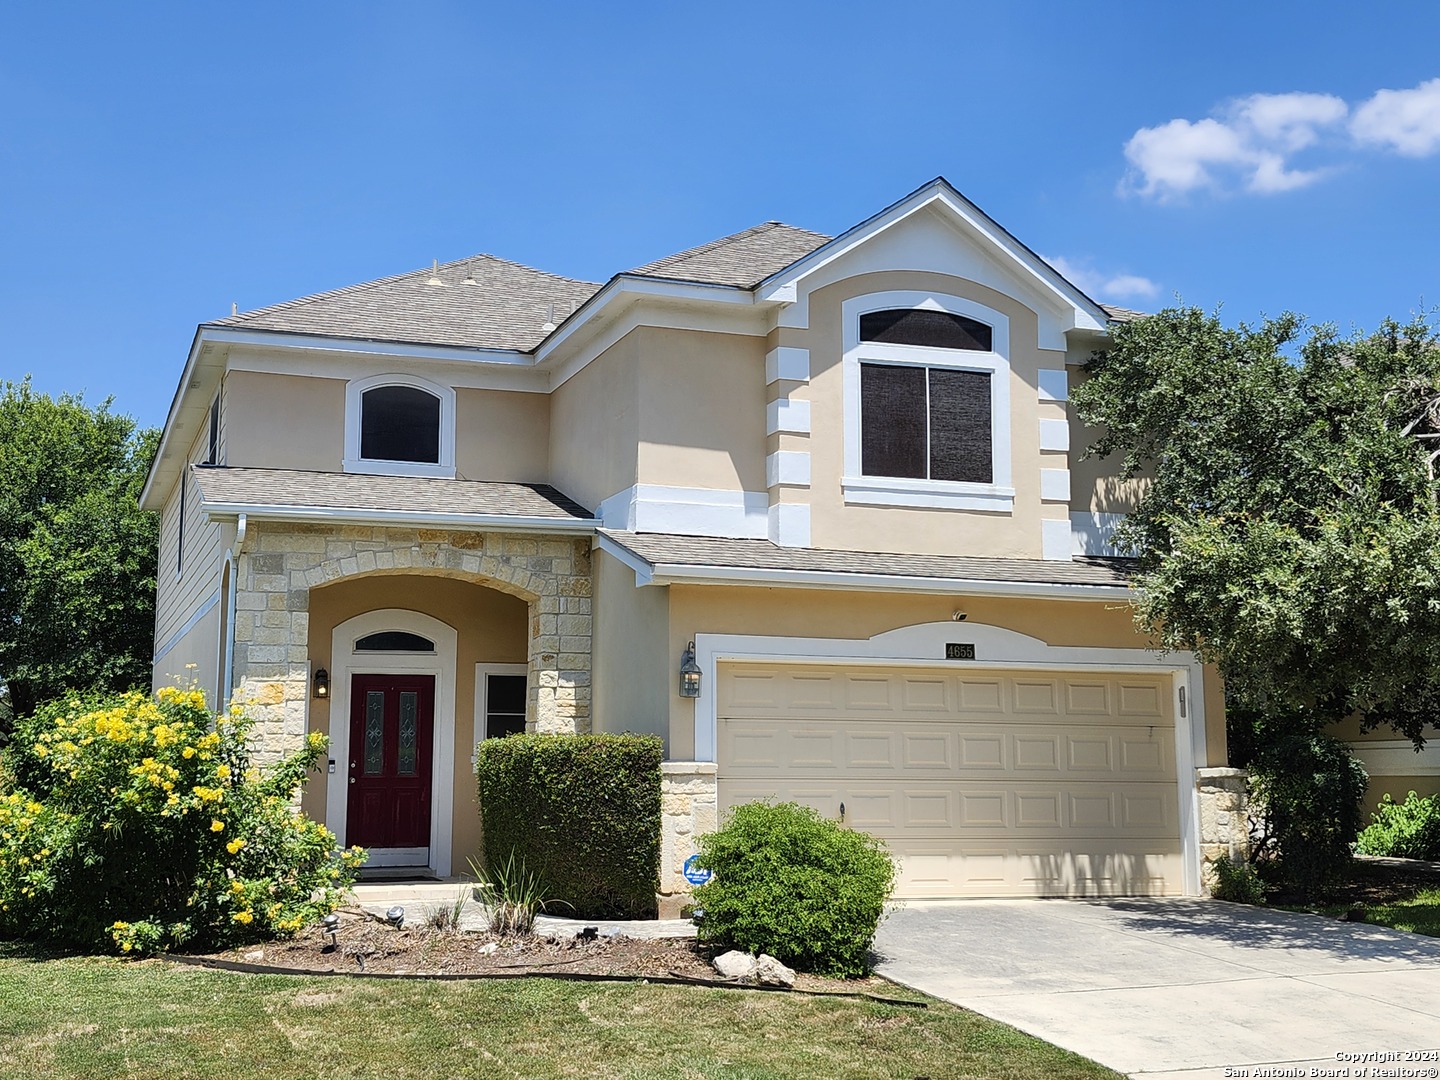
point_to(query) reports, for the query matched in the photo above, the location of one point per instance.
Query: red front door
(392, 725)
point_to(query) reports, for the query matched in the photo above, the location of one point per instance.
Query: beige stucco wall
(194, 656)
(1095, 482)
(491, 628)
(284, 421)
(859, 615)
(834, 524)
(702, 409)
(502, 435)
(632, 662)
(595, 426)
(1401, 770)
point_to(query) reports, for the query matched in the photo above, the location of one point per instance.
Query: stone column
(1224, 818)
(689, 807)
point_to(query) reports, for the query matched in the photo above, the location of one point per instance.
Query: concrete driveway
(1179, 987)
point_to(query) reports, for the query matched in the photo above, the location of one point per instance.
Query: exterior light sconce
(320, 683)
(689, 673)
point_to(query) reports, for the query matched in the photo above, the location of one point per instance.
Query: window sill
(399, 468)
(927, 494)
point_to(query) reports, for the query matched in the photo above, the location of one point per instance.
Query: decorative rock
(735, 964)
(772, 972)
(488, 948)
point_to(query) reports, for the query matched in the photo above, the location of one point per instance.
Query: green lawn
(1419, 914)
(90, 1017)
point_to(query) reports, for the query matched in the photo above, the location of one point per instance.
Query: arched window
(394, 641)
(926, 384)
(401, 425)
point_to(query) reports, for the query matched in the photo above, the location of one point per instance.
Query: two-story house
(811, 509)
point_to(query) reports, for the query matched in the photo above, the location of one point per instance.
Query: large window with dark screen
(927, 328)
(400, 423)
(925, 423)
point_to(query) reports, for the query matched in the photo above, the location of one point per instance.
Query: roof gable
(990, 241)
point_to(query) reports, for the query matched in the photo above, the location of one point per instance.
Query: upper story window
(927, 402)
(400, 424)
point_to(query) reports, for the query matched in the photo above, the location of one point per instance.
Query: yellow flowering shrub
(132, 824)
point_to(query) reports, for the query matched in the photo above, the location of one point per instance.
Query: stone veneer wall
(282, 563)
(1224, 818)
(689, 806)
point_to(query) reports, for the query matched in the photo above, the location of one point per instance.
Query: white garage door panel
(981, 783)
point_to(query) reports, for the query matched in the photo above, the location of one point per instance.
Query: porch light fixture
(689, 673)
(320, 683)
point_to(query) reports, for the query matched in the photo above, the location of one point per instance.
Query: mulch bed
(1375, 882)
(365, 946)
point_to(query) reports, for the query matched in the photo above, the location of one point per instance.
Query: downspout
(234, 560)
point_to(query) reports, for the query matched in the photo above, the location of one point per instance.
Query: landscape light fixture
(320, 684)
(689, 673)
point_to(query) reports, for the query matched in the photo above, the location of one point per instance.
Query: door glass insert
(409, 720)
(374, 732)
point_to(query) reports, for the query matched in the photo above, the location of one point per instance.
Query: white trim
(686, 511)
(787, 416)
(345, 663)
(354, 392)
(1068, 308)
(325, 514)
(483, 374)
(190, 624)
(787, 363)
(923, 645)
(673, 573)
(479, 732)
(389, 350)
(1054, 384)
(1055, 486)
(1055, 540)
(996, 496)
(1090, 532)
(790, 467)
(931, 494)
(1397, 757)
(636, 287)
(789, 525)
(616, 550)
(1054, 435)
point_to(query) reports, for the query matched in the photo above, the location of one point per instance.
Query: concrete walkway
(1177, 988)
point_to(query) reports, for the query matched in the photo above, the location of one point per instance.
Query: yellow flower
(234, 846)
(222, 772)
(216, 825)
(244, 917)
(188, 752)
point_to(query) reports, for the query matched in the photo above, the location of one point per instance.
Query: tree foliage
(77, 554)
(1289, 530)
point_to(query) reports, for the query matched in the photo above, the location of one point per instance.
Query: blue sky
(161, 161)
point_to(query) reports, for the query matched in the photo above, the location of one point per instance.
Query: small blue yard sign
(694, 873)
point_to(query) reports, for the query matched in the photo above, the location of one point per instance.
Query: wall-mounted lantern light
(689, 673)
(320, 683)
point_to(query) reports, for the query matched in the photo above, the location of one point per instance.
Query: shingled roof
(485, 302)
(294, 491)
(481, 303)
(666, 549)
(742, 259)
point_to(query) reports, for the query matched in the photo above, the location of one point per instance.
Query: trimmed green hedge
(582, 812)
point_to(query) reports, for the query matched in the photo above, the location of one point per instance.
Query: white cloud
(1101, 286)
(1405, 121)
(1247, 145)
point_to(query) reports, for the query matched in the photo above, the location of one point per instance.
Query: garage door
(981, 783)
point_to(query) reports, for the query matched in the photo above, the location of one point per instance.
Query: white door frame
(345, 663)
(923, 645)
